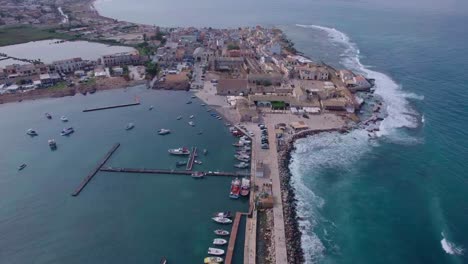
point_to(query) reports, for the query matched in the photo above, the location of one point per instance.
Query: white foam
(450, 247)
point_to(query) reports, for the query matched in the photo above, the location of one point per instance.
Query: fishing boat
(223, 214)
(151, 108)
(198, 162)
(221, 232)
(179, 117)
(219, 241)
(191, 123)
(198, 175)
(203, 104)
(205, 151)
(222, 220)
(52, 143)
(210, 260)
(215, 251)
(163, 131)
(129, 126)
(67, 131)
(179, 151)
(189, 102)
(181, 163)
(192, 116)
(163, 260)
(48, 116)
(64, 119)
(242, 165)
(245, 187)
(235, 189)
(31, 132)
(22, 166)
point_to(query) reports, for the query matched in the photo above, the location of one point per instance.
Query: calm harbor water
(51, 50)
(398, 199)
(118, 218)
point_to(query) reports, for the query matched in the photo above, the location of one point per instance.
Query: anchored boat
(221, 232)
(209, 260)
(191, 123)
(215, 251)
(48, 116)
(222, 220)
(198, 175)
(164, 131)
(22, 166)
(31, 132)
(245, 187)
(179, 151)
(52, 143)
(235, 189)
(64, 119)
(67, 131)
(223, 214)
(129, 126)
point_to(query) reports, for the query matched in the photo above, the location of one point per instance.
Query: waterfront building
(49, 79)
(68, 65)
(123, 58)
(313, 73)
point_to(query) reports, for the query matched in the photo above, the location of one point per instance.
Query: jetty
(110, 107)
(232, 239)
(191, 159)
(173, 172)
(88, 178)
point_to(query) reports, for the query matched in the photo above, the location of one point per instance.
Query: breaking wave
(450, 247)
(314, 155)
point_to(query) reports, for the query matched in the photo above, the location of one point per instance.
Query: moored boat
(197, 162)
(179, 151)
(223, 214)
(67, 131)
(52, 143)
(163, 260)
(181, 163)
(242, 165)
(191, 117)
(129, 126)
(209, 260)
(235, 189)
(215, 251)
(198, 175)
(151, 108)
(191, 123)
(64, 119)
(179, 117)
(222, 220)
(219, 241)
(163, 131)
(189, 102)
(31, 132)
(221, 232)
(48, 116)
(245, 187)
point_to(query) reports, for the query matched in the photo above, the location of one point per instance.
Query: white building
(68, 65)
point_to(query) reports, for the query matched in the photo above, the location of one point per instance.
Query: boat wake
(334, 151)
(450, 247)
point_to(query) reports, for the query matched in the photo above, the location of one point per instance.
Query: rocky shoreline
(291, 223)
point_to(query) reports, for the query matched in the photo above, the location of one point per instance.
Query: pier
(232, 239)
(173, 172)
(98, 167)
(191, 159)
(110, 107)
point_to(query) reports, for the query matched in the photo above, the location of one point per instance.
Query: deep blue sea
(399, 199)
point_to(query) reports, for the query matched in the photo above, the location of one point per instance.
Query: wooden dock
(174, 172)
(232, 239)
(98, 167)
(191, 159)
(110, 107)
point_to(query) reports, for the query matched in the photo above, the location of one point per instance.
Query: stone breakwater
(292, 231)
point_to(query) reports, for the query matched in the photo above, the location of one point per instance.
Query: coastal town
(253, 77)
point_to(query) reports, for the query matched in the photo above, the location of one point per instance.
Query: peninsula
(252, 76)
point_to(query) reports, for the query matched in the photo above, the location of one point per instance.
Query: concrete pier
(191, 159)
(98, 167)
(232, 239)
(174, 172)
(110, 107)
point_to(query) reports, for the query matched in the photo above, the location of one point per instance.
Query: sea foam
(450, 247)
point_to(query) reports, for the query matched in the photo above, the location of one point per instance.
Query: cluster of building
(29, 12)
(30, 76)
(254, 68)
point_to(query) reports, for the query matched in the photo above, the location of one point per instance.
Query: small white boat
(67, 131)
(219, 241)
(164, 131)
(203, 104)
(222, 220)
(210, 260)
(215, 251)
(52, 143)
(64, 119)
(221, 232)
(179, 117)
(129, 126)
(31, 132)
(151, 108)
(198, 175)
(197, 162)
(191, 123)
(192, 116)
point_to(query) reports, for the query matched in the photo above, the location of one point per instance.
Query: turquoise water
(118, 218)
(398, 199)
